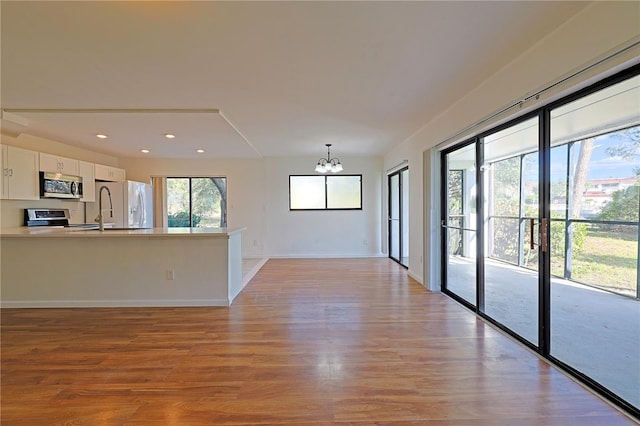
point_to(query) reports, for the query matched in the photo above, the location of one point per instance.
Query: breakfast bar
(65, 267)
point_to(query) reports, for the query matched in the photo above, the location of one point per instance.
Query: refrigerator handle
(143, 212)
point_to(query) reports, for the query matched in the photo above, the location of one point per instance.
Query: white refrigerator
(132, 204)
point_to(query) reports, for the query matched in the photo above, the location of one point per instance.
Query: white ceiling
(286, 77)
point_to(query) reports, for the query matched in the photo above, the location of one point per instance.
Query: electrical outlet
(170, 274)
(365, 242)
(255, 243)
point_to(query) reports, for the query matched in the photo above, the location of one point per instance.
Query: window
(342, 192)
(197, 202)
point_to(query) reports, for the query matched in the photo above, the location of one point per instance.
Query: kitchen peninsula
(140, 267)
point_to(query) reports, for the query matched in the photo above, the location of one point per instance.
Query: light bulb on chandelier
(329, 164)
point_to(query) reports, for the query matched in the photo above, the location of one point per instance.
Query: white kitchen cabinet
(4, 179)
(110, 174)
(4, 182)
(87, 172)
(19, 174)
(57, 164)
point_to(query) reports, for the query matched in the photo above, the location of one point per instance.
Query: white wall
(332, 233)
(11, 211)
(589, 35)
(246, 188)
(258, 199)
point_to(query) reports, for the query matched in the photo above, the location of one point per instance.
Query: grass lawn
(608, 260)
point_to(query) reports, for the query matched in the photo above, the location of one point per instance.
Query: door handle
(544, 224)
(532, 243)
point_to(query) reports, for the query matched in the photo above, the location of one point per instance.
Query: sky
(601, 166)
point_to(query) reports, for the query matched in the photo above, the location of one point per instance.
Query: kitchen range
(53, 218)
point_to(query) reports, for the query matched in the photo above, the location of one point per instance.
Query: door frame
(400, 214)
(444, 179)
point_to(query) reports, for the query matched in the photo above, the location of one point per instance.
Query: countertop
(35, 232)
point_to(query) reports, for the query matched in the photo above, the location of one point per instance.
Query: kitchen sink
(82, 226)
(117, 229)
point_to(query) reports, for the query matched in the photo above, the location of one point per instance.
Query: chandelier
(329, 164)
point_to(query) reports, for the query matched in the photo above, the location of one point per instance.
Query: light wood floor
(309, 342)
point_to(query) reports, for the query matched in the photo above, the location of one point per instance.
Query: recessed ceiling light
(146, 151)
(101, 136)
(169, 136)
(199, 151)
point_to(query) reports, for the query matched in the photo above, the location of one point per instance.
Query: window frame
(224, 217)
(326, 199)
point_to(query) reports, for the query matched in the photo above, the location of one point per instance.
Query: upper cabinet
(110, 174)
(19, 174)
(57, 164)
(87, 172)
(20, 179)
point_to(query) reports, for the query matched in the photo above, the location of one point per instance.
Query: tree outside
(455, 212)
(602, 254)
(196, 202)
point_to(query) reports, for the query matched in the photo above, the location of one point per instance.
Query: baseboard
(252, 272)
(325, 256)
(248, 276)
(148, 303)
(415, 277)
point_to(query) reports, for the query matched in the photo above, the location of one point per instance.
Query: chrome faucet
(100, 219)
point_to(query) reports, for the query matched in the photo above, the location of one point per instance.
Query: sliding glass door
(511, 213)
(552, 254)
(399, 216)
(459, 206)
(595, 200)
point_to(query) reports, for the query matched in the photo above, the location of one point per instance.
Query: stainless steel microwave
(56, 185)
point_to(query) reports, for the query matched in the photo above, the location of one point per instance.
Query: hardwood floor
(308, 342)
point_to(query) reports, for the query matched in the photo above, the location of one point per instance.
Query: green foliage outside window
(506, 193)
(505, 197)
(624, 205)
(181, 220)
(203, 199)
